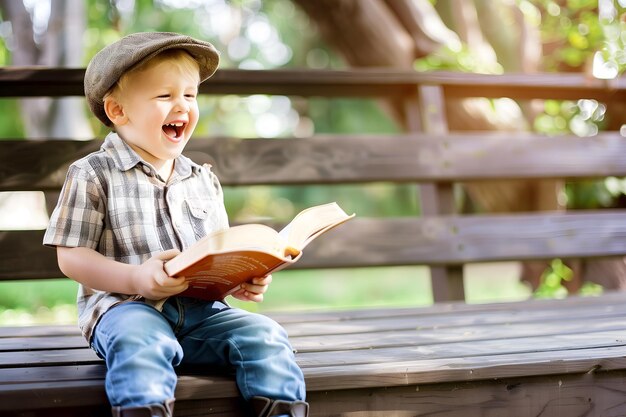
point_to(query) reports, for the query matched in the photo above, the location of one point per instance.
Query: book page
(312, 222)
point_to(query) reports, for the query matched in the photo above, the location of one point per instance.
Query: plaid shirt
(115, 203)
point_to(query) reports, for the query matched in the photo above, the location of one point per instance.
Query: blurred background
(481, 36)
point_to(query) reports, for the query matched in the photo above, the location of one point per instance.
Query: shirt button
(147, 170)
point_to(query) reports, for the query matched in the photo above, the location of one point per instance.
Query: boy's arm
(94, 270)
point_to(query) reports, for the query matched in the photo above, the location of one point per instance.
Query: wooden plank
(607, 301)
(387, 82)
(64, 373)
(381, 332)
(394, 327)
(472, 333)
(404, 241)
(521, 346)
(384, 331)
(461, 321)
(453, 240)
(415, 372)
(11, 344)
(41, 388)
(438, 198)
(606, 305)
(47, 161)
(336, 159)
(600, 394)
(25, 257)
(52, 357)
(423, 345)
(39, 331)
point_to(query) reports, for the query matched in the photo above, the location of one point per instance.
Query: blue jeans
(141, 347)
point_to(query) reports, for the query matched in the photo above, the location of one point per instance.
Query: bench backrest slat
(438, 240)
(58, 82)
(350, 159)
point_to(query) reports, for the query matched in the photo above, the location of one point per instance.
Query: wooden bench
(531, 358)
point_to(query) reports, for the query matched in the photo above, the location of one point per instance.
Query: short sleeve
(77, 220)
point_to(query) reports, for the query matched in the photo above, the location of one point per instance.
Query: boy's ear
(115, 111)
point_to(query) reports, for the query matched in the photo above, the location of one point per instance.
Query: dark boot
(160, 410)
(264, 407)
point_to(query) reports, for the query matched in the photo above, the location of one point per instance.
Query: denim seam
(244, 378)
(181, 316)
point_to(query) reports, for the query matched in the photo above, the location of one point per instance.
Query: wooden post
(427, 114)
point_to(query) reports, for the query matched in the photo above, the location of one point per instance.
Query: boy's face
(158, 111)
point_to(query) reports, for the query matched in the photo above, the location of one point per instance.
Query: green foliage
(4, 51)
(589, 195)
(551, 285)
(349, 116)
(337, 288)
(280, 204)
(590, 289)
(10, 120)
(31, 302)
(16, 295)
(573, 31)
(464, 59)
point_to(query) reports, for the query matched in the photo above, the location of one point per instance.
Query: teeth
(174, 124)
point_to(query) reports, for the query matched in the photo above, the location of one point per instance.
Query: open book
(218, 263)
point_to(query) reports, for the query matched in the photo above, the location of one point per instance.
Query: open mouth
(174, 130)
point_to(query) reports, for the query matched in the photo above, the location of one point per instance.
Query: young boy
(136, 203)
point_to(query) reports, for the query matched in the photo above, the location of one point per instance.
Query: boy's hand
(254, 289)
(151, 282)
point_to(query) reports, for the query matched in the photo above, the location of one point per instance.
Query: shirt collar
(125, 157)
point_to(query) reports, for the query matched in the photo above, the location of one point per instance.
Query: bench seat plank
(496, 342)
(391, 323)
(48, 351)
(437, 318)
(609, 300)
(8, 344)
(494, 366)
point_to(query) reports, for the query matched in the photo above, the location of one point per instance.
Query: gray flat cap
(108, 65)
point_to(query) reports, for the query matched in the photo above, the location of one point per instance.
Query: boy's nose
(182, 105)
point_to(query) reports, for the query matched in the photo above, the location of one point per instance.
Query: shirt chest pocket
(200, 215)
